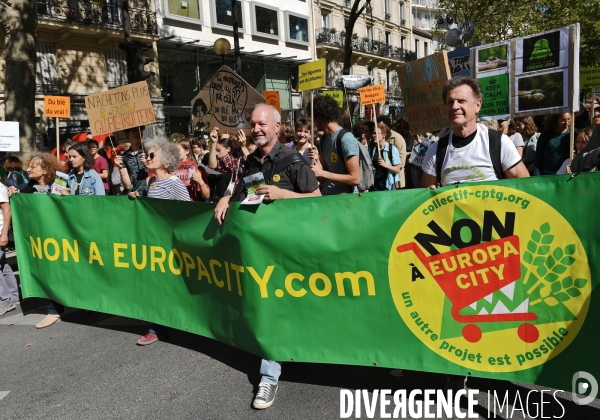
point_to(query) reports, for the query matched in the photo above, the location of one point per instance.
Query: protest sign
(311, 75)
(492, 69)
(57, 106)
(533, 75)
(338, 95)
(185, 171)
(225, 101)
(546, 73)
(504, 275)
(272, 98)
(118, 109)
(421, 82)
(9, 136)
(370, 95)
(589, 78)
(459, 61)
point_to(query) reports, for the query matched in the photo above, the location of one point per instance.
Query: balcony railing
(88, 12)
(388, 16)
(347, 3)
(47, 85)
(337, 39)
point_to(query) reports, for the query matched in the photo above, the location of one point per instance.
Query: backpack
(367, 171)
(495, 141)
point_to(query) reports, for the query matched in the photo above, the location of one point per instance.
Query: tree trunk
(19, 22)
(355, 12)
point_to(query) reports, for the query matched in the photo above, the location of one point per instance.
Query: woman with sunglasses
(162, 160)
(83, 180)
(198, 188)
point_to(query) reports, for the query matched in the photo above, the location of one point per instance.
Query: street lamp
(222, 47)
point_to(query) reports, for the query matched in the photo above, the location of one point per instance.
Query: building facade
(381, 40)
(424, 15)
(78, 54)
(274, 38)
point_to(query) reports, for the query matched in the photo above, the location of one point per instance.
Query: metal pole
(236, 39)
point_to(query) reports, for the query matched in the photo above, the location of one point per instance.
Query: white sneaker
(7, 307)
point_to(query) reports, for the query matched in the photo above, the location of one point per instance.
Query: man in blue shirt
(339, 174)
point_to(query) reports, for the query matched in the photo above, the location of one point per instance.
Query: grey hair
(276, 114)
(460, 81)
(168, 151)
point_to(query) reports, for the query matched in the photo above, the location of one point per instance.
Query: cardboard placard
(421, 82)
(185, 171)
(272, 98)
(9, 136)
(372, 94)
(589, 78)
(338, 95)
(311, 75)
(121, 108)
(57, 106)
(225, 101)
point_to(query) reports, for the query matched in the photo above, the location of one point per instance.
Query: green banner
(490, 278)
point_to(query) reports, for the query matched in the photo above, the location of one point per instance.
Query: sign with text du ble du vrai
(57, 106)
(311, 75)
(589, 78)
(422, 82)
(121, 108)
(370, 95)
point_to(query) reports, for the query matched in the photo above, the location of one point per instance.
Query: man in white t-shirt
(9, 294)
(467, 158)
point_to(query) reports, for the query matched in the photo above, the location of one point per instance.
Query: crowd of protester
(372, 157)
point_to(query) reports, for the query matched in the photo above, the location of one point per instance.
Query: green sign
(338, 95)
(492, 278)
(589, 78)
(496, 95)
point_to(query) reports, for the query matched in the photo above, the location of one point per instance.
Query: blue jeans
(270, 371)
(158, 329)
(8, 281)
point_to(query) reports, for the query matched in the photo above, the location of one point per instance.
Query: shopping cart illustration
(468, 281)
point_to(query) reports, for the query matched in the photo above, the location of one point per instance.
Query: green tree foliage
(501, 20)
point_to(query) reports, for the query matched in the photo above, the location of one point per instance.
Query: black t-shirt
(79, 178)
(459, 142)
(297, 177)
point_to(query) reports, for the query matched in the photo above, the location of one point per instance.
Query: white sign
(9, 136)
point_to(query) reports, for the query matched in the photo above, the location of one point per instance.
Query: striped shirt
(171, 188)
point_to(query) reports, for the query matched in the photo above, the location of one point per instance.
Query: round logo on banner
(490, 278)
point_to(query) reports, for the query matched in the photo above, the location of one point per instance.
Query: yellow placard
(338, 95)
(589, 78)
(311, 75)
(272, 98)
(372, 94)
(121, 108)
(57, 106)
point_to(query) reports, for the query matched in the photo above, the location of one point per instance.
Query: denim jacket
(91, 183)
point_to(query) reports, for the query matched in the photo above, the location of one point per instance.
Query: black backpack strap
(495, 137)
(287, 161)
(440, 155)
(390, 154)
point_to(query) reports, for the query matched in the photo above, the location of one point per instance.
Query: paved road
(89, 367)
